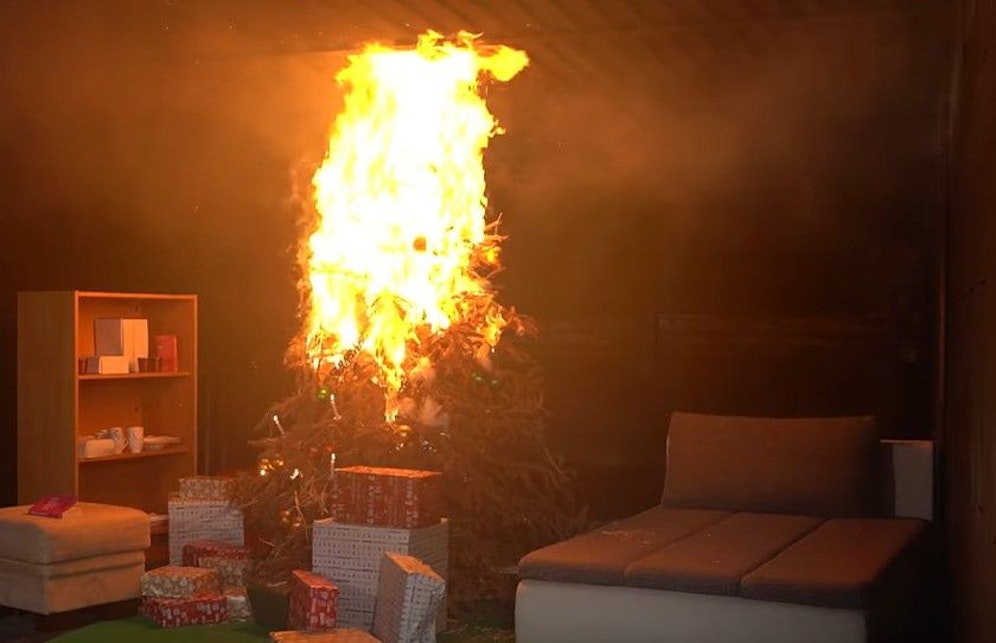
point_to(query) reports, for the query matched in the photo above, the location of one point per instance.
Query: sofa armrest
(912, 473)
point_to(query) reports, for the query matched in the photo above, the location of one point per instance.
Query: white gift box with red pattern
(409, 593)
(191, 520)
(350, 556)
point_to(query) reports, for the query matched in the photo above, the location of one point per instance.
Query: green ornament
(323, 392)
(478, 378)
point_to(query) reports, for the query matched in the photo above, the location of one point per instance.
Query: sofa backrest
(828, 467)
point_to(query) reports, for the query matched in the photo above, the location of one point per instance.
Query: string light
(335, 409)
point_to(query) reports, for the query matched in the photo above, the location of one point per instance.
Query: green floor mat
(141, 629)
(138, 628)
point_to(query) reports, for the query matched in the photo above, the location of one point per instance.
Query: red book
(54, 505)
(164, 348)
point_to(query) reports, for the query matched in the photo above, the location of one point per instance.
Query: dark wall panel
(970, 432)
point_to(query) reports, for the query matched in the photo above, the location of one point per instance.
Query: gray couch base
(551, 612)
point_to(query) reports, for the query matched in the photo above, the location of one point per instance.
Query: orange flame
(401, 239)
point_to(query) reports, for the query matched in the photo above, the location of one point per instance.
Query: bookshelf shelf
(151, 453)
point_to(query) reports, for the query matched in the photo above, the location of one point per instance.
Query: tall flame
(401, 241)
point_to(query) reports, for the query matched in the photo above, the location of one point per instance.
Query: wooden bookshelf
(56, 405)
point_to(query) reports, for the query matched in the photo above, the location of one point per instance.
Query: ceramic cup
(117, 435)
(136, 438)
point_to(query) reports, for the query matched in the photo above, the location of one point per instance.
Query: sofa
(774, 530)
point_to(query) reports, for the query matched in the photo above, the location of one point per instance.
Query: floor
(22, 627)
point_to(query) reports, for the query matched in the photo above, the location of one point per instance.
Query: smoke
(191, 131)
(162, 153)
(158, 127)
(789, 176)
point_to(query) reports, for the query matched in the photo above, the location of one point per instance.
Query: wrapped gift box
(206, 488)
(231, 571)
(237, 605)
(312, 601)
(230, 560)
(409, 593)
(387, 497)
(339, 635)
(350, 556)
(174, 581)
(175, 612)
(191, 520)
(195, 550)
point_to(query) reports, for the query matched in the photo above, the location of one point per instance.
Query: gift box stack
(175, 595)
(230, 562)
(409, 594)
(378, 510)
(228, 559)
(202, 511)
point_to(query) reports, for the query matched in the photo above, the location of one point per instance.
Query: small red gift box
(387, 497)
(313, 601)
(195, 550)
(174, 612)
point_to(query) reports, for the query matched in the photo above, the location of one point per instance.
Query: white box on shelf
(122, 336)
(107, 364)
(202, 520)
(350, 556)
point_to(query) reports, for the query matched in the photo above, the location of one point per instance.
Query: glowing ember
(400, 245)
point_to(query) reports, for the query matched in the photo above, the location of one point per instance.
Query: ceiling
(567, 37)
(324, 24)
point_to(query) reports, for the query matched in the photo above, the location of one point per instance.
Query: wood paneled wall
(969, 442)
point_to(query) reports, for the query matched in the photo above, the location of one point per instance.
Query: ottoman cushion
(86, 530)
(19, 568)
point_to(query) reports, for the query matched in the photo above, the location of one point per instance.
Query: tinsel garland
(504, 493)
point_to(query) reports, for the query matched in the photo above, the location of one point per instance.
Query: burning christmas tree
(405, 358)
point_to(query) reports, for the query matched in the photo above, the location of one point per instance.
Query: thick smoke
(158, 146)
(792, 176)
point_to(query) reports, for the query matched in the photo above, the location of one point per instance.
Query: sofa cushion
(713, 560)
(88, 529)
(811, 466)
(601, 556)
(837, 565)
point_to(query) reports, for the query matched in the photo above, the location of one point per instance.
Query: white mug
(136, 438)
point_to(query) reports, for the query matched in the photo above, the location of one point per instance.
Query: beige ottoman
(94, 554)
